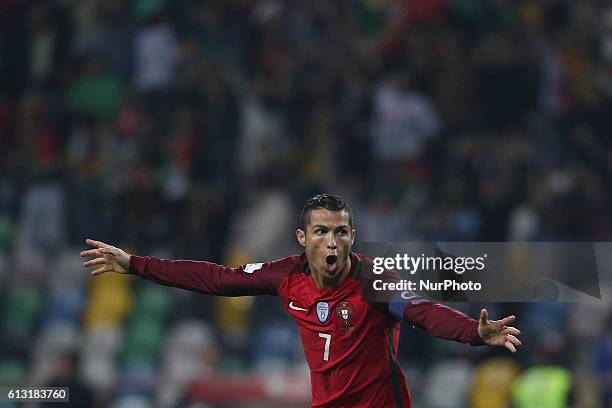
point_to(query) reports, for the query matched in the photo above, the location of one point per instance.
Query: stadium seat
(138, 376)
(67, 270)
(53, 339)
(447, 383)
(63, 304)
(492, 384)
(273, 346)
(154, 300)
(190, 351)
(3, 268)
(133, 401)
(110, 299)
(12, 371)
(21, 310)
(143, 338)
(98, 353)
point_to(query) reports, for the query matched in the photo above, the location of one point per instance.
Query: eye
(342, 232)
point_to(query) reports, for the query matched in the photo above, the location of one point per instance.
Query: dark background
(197, 129)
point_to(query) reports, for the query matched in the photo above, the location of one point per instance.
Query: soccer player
(350, 343)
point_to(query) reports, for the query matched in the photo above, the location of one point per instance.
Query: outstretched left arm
(450, 324)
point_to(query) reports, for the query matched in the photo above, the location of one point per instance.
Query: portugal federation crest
(323, 311)
(344, 313)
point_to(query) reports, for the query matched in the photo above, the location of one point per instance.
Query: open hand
(497, 332)
(111, 258)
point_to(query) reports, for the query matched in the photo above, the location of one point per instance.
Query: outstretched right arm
(197, 276)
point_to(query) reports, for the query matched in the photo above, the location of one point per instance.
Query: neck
(324, 282)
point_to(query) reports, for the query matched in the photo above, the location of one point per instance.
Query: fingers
(105, 268)
(91, 252)
(97, 261)
(500, 332)
(511, 330)
(506, 320)
(97, 244)
(109, 250)
(484, 315)
(101, 252)
(102, 248)
(516, 342)
(512, 343)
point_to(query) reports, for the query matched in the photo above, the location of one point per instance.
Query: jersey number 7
(327, 338)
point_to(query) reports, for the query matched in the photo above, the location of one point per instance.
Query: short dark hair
(327, 202)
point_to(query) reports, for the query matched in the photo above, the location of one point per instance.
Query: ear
(301, 237)
(353, 235)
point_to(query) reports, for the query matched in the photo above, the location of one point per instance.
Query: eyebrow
(327, 227)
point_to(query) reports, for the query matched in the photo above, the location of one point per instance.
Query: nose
(331, 241)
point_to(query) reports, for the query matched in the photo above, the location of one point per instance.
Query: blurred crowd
(197, 129)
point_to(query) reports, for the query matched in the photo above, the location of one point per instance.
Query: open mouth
(331, 262)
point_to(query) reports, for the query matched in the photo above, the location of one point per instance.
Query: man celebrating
(350, 344)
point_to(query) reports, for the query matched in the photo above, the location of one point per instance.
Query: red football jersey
(350, 343)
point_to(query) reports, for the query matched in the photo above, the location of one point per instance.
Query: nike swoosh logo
(301, 309)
